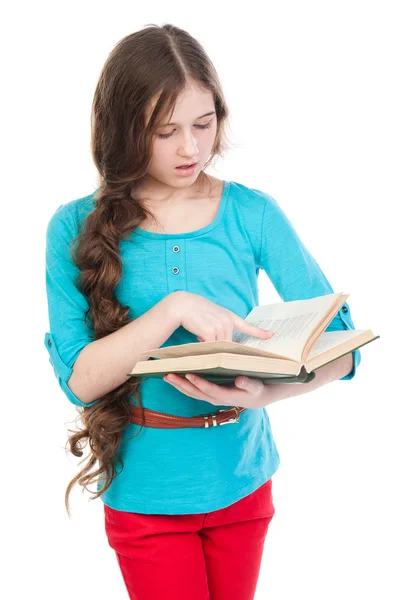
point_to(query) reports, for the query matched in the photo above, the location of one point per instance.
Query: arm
(87, 369)
(334, 370)
(103, 364)
(296, 275)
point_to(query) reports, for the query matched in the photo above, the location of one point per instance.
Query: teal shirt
(192, 470)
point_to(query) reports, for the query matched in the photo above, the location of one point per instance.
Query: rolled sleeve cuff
(345, 316)
(62, 371)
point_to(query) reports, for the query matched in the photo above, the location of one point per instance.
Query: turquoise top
(192, 470)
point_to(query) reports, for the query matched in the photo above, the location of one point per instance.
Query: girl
(163, 254)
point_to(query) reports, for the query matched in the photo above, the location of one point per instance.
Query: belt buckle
(232, 419)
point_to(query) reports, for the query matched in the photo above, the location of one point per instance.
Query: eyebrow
(213, 112)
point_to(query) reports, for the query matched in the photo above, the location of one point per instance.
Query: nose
(188, 146)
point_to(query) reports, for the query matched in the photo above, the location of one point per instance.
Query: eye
(167, 135)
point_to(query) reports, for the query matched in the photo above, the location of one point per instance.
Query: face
(186, 137)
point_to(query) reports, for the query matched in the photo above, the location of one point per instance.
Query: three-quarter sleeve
(68, 333)
(292, 269)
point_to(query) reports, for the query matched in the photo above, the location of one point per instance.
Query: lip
(188, 172)
(186, 165)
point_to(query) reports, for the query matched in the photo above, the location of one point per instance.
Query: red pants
(207, 556)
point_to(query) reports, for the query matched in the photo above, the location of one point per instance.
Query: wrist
(172, 307)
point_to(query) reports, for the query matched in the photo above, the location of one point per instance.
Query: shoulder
(250, 194)
(65, 221)
(252, 204)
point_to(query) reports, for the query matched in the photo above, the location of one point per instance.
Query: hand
(252, 395)
(209, 321)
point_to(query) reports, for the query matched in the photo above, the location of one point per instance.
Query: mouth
(186, 166)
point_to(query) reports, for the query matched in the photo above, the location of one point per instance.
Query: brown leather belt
(151, 418)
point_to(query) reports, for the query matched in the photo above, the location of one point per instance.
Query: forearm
(103, 364)
(326, 374)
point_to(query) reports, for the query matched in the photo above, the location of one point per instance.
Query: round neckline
(196, 232)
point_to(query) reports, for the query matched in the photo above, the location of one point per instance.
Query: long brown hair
(155, 63)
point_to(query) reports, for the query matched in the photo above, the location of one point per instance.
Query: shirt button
(176, 248)
(175, 270)
(345, 309)
(49, 342)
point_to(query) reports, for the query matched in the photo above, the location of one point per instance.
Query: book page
(331, 339)
(291, 323)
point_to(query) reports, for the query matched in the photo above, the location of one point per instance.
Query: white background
(311, 87)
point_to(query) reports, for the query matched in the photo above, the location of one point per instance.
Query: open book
(300, 345)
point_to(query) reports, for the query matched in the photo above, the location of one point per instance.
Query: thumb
(241, 382)
(248, 383)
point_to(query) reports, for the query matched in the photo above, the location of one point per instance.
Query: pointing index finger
(246, 327)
